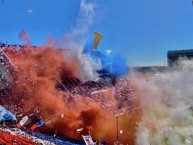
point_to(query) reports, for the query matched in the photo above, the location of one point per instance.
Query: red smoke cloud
(35, 91)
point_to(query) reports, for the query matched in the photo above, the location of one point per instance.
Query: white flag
(23, 121)
(88, 140)
(108, 51)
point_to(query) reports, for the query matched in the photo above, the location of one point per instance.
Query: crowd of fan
(121, 91)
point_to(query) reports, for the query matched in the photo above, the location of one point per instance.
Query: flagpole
(117, 125)
(117, 142)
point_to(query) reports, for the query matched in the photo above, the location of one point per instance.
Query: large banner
(88, 140)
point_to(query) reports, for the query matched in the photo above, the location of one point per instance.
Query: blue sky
(142, 31)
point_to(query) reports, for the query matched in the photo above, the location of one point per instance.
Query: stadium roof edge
(180, 51)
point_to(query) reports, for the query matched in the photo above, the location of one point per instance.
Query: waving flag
(38, 124)
(88, 140)
(97, 39)
(23, 121)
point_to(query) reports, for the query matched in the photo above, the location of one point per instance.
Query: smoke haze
(166, 101)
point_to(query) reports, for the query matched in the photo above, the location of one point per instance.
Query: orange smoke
(35, 91)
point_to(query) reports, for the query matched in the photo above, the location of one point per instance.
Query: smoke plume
(167, 101)
(76, 37)
(78, 34)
